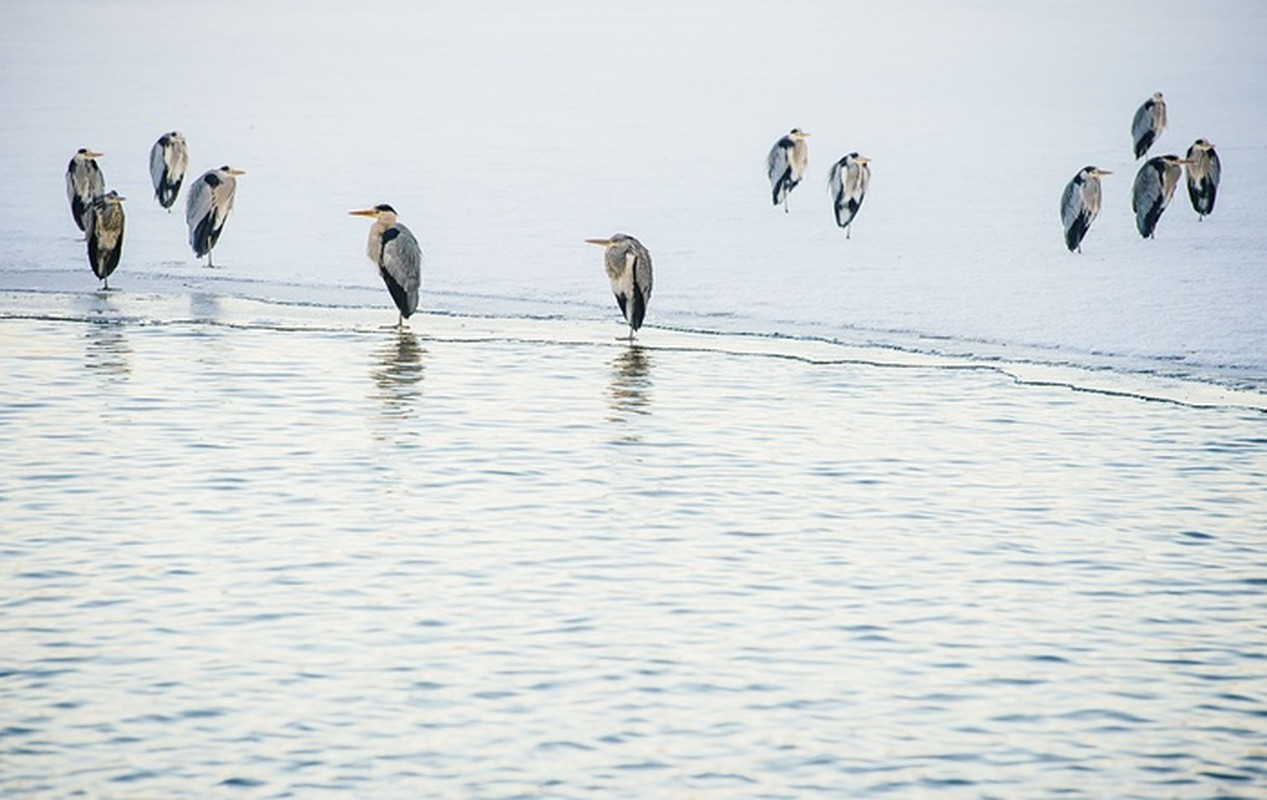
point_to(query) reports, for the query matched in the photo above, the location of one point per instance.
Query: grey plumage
(169, 158)
(394, 250)
(1204, 171)
(208, 203)
(628, 267)
(1154, 186)
(1149, 122)
(84, 183)
(105, 235)
(1080, 204)
(848, 180)
(785, 165)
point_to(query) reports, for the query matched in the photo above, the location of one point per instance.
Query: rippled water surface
(491, 558)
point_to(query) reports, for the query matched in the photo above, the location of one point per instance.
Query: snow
(506, 133)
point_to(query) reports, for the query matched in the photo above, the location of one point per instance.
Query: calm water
(490, 558)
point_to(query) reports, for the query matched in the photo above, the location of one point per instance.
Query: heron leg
(848, 231)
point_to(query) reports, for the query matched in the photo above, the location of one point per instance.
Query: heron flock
(395, 251)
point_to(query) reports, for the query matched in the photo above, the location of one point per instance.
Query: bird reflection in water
(397, 374)
(107, 351)
(629, 393)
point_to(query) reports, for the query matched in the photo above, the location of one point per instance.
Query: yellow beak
(364, 212)
(600, 242)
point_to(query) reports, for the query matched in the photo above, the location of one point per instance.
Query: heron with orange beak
(628, 266)
(395, 251)
(207, 208)
(1154, 186)
(1080, 205)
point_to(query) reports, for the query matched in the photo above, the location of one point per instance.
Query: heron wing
(638, 267)
(778, 166)
(643, 278)
(199, 200)
(1147, 197)
(1070, 203)
(400, 264)
(158, 166)
(1142, 131)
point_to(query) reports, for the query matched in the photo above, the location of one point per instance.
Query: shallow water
(500, 558)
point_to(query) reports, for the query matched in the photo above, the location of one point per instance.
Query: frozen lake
(505, 134)
(836, 526)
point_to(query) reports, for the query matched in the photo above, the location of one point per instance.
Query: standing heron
(396, 253)
(786, 165)
(84, 183)
(1154, 186)
(848, 180)
(105, 235)
(1149, 122)
(1080, 204)
(1203, 176)
(168, 158)
(208, 204)
(628, 266)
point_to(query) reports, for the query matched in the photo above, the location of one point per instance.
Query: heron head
(89, 154)
(1202, 144)
(113, 197)
(382, 211)
(1096, 172)
(798, 134)
(1157, 98)
(231, 170)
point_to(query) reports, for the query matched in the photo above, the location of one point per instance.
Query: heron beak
(93, 154)
(1101, 172)
(364, 212)
(236, 171)
(600, 242)
(863, 160)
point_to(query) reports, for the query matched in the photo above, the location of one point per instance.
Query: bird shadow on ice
(629, 387)
(397, 373)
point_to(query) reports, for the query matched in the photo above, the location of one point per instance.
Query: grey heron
(1154, 186)
(1149, 122)
(786, 165)
(105, 235)
(1203, 176)
(848, 180)
(1080, 204)
(395, 251)
(628, 266)
(208, 203)
(84, 183)
(168, 159)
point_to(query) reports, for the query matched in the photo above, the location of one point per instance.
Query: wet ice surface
(495, 561)
(837, 525)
